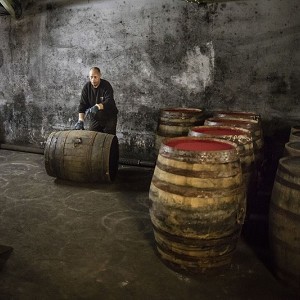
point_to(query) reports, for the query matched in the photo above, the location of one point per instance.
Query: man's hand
(100, 106)
(79, 125)
(93, 110)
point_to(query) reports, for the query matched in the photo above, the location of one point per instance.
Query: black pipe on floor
(22, 148)
(136, 162)
(122, 161)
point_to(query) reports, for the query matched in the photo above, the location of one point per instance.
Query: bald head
(96, 69)
(95, 76)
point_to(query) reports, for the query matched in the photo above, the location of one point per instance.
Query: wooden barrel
(175, 122)
(82, 155)
(240, 136)
(295, 128)
(292, 149)
(252, 125)
(295, 136)
(237, 114)
(197, 203)
(284, 221)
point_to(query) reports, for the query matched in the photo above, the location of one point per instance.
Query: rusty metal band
(197, 174)
(89, 154)
(58, 153)
(188, 258)
(284, 213)
(104, 160)
(284, 245)
(199, 241)
(282, 168)
(287, 183)
(48, 156)
(188, 191)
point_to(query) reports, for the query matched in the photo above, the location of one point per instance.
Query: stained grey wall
(241, 55)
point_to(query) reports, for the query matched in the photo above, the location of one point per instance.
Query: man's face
(94, 78)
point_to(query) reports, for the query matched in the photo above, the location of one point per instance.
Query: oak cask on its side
(82, 156)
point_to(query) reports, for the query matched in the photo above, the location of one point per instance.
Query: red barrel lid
(194, 144)
(214, 130)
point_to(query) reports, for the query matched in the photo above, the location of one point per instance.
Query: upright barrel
(284, 221)
(292, 149)
(244, 115)
(175, 122)
(294, 129)
(82, 156)
(295, 136)
(237, 114)
(197, 203)
(240, 136)
(252, 125)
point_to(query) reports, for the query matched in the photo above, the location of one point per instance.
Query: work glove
(92, 111)
(79, 125)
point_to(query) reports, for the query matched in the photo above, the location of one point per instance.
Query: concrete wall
(241, 55)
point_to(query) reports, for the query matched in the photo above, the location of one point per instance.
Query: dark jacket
(102, 94)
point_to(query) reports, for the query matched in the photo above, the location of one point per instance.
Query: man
(97, 102)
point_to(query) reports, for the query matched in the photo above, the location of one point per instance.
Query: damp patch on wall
(199, 69)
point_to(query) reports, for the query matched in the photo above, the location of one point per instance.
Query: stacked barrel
(240, 136)
(246, 120)
(176, 121)
(200, 185)
(284, 215)
(295, 133)
(252, 122)
(292, 147)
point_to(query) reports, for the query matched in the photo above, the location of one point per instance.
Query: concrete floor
(95, 241)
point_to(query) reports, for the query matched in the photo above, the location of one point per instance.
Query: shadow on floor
(5, 252)
(128, 178)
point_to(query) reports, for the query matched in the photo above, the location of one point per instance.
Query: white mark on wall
(144, 76)
(3, 100)
(146, 72)
(199, 69)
